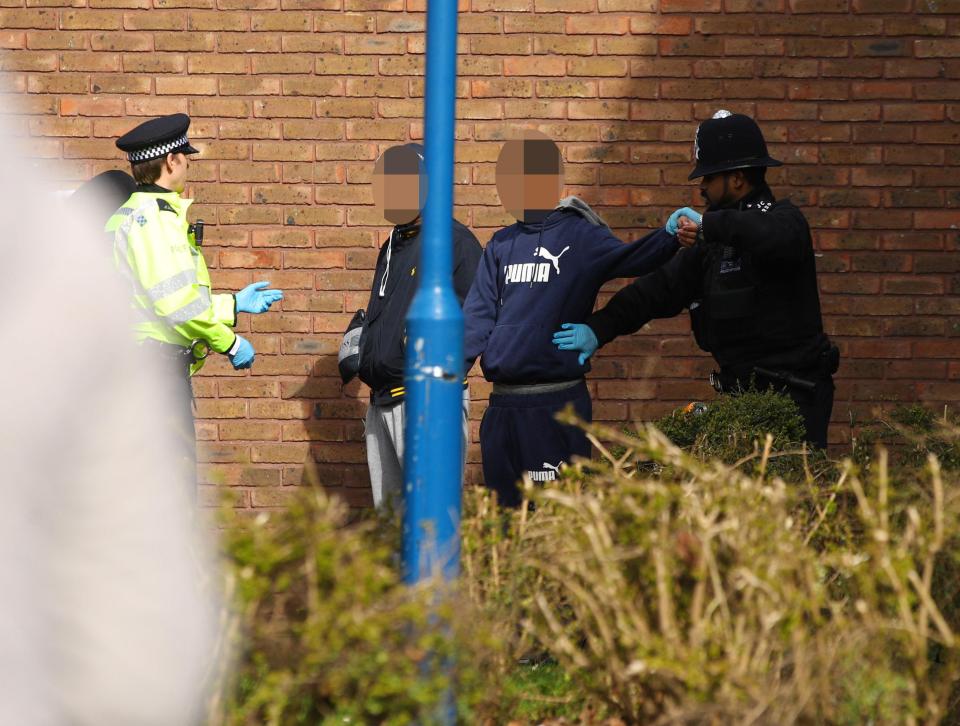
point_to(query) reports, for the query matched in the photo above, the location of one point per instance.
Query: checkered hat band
(154, 152)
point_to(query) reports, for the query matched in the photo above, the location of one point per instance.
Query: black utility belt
(764, 377)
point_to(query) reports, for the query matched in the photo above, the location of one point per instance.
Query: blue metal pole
(433, 451)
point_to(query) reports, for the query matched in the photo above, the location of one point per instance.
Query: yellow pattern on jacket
(169, 277)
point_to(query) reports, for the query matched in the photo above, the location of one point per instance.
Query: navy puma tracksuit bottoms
(519, 435)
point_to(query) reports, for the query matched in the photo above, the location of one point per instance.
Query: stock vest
(170, 283)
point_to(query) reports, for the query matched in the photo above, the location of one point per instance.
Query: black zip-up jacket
(750, 286)
(383, 340)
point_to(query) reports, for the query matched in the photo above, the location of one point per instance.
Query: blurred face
(399, 191)
(530, 176)
(177, 167)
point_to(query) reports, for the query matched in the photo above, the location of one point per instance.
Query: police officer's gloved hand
(241, 354)
(255, 299)
(673, 223)
(577, 336)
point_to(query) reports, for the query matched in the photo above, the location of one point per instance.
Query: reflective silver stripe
(172, 284)
(190, 310)
(124, 211)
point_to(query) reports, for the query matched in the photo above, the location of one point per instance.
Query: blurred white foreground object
(105, 618)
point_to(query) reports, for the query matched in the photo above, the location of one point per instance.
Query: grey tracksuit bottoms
(384, 437)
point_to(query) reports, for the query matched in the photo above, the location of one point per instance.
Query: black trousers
(519, 435)
(816, 407)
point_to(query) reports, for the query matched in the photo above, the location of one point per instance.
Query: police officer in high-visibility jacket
(177, 317)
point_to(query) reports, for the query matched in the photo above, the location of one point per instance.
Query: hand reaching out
(256, 298)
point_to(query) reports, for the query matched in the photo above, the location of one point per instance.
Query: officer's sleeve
(636, 258)
(480, 307)
(468, 252)
(168, 278)
(225, 308)
(661, 294)
(780, 236)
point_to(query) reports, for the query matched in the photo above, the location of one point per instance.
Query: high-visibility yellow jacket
(169, 277)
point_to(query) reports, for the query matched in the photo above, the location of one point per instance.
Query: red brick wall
(292, 101)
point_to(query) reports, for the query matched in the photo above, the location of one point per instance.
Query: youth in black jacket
(382, 342)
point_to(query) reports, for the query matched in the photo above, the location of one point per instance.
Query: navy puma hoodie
(534, 277)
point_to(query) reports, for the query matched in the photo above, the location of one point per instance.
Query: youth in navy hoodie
(535, 276)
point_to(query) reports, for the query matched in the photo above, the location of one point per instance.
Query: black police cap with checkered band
(157, 138)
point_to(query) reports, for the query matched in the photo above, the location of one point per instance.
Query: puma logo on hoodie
(534, 271)
(547, 255)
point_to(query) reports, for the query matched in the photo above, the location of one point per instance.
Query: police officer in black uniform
(747, 276)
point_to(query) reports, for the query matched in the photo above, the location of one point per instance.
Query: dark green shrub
(734, 429)
(729, 423)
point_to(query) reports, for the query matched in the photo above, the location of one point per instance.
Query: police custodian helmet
(729, 141)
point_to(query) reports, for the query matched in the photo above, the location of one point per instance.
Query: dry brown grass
(709, 595)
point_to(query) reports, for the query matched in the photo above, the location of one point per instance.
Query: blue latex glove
(255, 299)
(243, 355)
(674, 222)
(577, 336)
